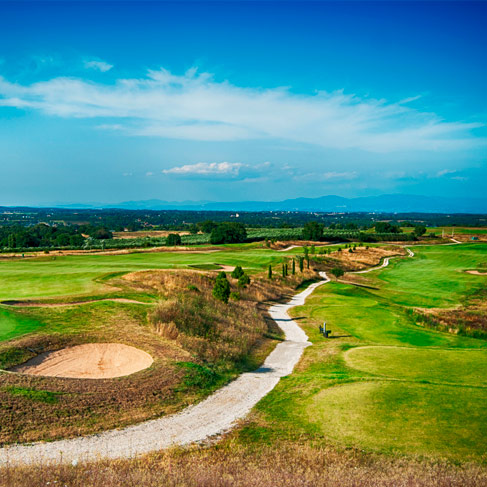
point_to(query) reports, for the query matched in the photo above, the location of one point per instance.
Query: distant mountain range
(387, 203)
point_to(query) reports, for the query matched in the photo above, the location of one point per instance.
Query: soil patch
(88, 361)
(477, 273)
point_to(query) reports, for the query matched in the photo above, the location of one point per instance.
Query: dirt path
(215, 415)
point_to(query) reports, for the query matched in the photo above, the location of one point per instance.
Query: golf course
(382, 383)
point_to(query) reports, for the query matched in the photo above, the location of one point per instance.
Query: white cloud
(205, 168)
(98, 65)
(149, 173)
(339, 176)
(195, 106)
(445, 172)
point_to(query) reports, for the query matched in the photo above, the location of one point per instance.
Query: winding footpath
(213, 416)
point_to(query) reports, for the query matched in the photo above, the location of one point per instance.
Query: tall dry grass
(294, 465)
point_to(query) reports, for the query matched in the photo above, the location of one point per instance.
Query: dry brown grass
(362, 257)
(146, 233)
(229, 464)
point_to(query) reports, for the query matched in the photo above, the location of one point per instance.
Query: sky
(228, 101)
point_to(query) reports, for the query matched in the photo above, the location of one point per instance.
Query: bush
(221, 288)
(235, 296)
(337, 272)
(237, 272)
(173, 239)
(243, 280)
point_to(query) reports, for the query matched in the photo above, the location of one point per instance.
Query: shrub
(243, 280)
(192, 287)
(235, 296)
(221, 288)
(167, 330)
(237, 272)
(337, 272)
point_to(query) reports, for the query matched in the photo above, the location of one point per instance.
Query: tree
(301, 264)
(337, 272)
(312, 231)
(386, 227)
(221, 288)
(207, 226)
(237, 272)
(232, 232)
(11, 241)
(294, 267)
(283, 270)
(102, 233)
(419, 230)
(243, 280)
(269, 272)
(173, 239)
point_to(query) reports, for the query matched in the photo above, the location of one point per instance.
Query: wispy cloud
(205, 168)
(339, 176)
(445, 172)
(98, 65)
(195, 106)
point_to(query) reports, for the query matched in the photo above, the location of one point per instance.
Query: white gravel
(384, 264)
(213, 416)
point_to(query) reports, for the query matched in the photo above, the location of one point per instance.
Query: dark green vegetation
(26, 229)
(383, 383)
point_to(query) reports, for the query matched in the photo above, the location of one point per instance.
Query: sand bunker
(89, 361)
(477, 273)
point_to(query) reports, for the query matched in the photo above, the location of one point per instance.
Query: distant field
(459, 230)
(383, 383)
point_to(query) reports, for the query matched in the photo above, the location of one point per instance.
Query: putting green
(467, 367)
(404, 417)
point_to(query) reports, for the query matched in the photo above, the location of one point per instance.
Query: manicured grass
(435, 277)
(405, 418)
(79, 274)
(13, 323)
(467, 367)
(383, 383)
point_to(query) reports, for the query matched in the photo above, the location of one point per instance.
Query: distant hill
(395, 203)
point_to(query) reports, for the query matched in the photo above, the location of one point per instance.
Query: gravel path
(384, 264)
(215, 415)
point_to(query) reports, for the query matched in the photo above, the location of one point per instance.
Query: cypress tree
(294, 267)
(269, 272)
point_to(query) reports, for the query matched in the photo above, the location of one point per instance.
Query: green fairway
(383, 383)
(76, 274)
(435, 277)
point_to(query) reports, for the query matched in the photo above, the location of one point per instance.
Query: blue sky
(117, 101)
